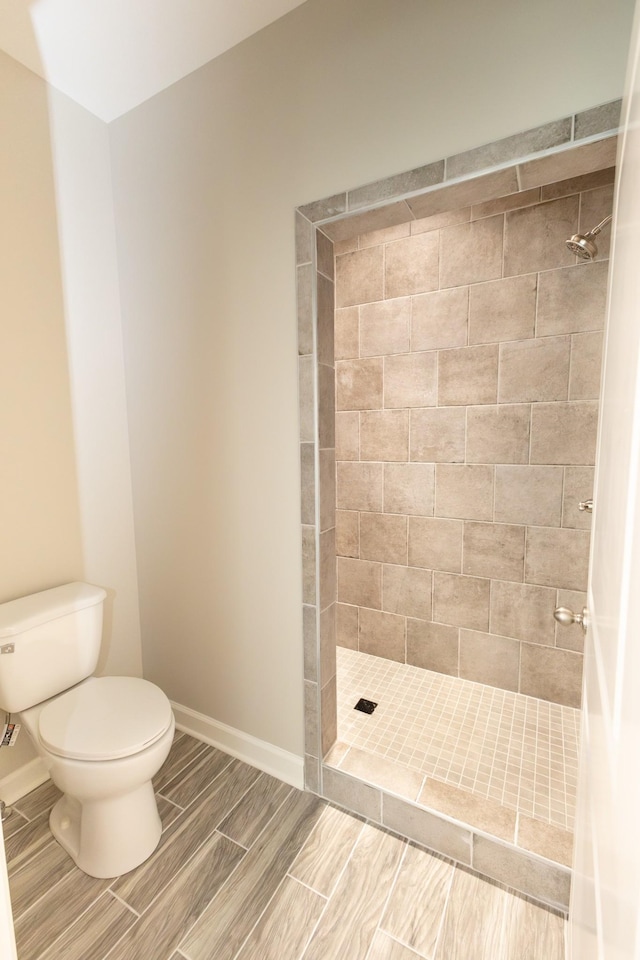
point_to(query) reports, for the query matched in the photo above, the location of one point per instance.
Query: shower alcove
(449, 364)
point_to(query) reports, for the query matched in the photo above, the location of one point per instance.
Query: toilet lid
(105, 718)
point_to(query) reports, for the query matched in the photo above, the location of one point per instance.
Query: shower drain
(365, 706)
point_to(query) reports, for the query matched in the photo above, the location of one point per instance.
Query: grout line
(123, 902)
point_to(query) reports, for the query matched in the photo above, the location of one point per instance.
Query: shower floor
(506, 747)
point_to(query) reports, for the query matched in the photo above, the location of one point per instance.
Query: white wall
(206, 178)
(65, 490)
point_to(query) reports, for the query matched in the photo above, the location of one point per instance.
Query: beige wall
(65, 493)
(206, 178)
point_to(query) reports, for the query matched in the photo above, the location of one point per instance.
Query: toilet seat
(105, 718)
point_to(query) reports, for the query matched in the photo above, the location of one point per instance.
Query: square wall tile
(551, 674)
(433, 646)
(383, 537)
(461, 601)
(304, 284)
(359, 384)
(471, 252)
(557, 557)
(464, 491)
(437, 435)
(347, 533)
(346, 338)
(578, 486)
(347, 626)
(534, 370)
(327, 644)
(327, 489)
(308, 565)
(324, 251)
(384, 435)
(360, 276)
(409, 488)
(488, 659)
(535, 236)
(359, 583)
(347, 435)
(382, 635)
(328, 574)
(326, 406)
(529, 495)
(468, 375)
(359, 486)
(440, 319)
(564, 433)
(493, 550)
(572, 299)
(503, 309)
(498, 434)
(411, 265)
(385, 327)
(406, 591)
(523, 611)
(586, 366)
(325, 319)
(307, 483)
(435, 544)
(411, 380)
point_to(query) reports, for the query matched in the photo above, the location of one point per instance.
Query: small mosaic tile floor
(512, 748)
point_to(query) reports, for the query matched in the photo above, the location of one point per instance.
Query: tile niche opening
(449, 380)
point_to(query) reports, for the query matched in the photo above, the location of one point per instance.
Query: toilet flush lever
(585, 506)
(566, 617)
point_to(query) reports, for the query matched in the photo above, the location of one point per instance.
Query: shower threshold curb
(538, 877)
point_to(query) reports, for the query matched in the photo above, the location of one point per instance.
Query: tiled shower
(449, 396)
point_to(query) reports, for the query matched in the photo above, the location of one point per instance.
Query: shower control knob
(566, 617)
(585, 505)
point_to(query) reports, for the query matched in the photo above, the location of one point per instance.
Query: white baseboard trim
(22, 781)
(265, 756)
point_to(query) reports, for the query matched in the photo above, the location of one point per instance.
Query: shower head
(583, 244)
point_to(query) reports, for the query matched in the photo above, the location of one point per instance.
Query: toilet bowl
(102, 739)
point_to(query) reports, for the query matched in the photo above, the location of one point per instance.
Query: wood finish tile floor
(517, 750)
(249, 868)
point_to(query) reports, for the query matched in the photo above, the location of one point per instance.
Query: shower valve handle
(585, 505)
(566, 617)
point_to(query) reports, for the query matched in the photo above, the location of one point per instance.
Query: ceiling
(111, 55)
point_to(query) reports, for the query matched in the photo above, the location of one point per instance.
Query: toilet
(102, 739)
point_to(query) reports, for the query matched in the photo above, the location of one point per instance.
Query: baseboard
(265, 756)
(22, 781)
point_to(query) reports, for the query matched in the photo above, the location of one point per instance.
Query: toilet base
(108, 837)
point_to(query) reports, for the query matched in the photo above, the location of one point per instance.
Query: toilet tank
(49, 641)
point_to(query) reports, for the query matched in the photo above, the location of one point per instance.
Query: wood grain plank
(38, 875)
(384, 948)
(224, 926)
(179, 843)
(325, 853)
(27, 843)
(192, 780)
(286, 925)
(348, 925)
(533, 932)
(416, 907)
(474, 920)
(48, 919)
(183, 750)
(14, 822)
(95, 933)
(249, 818)
(38, 801)
(157, 934)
